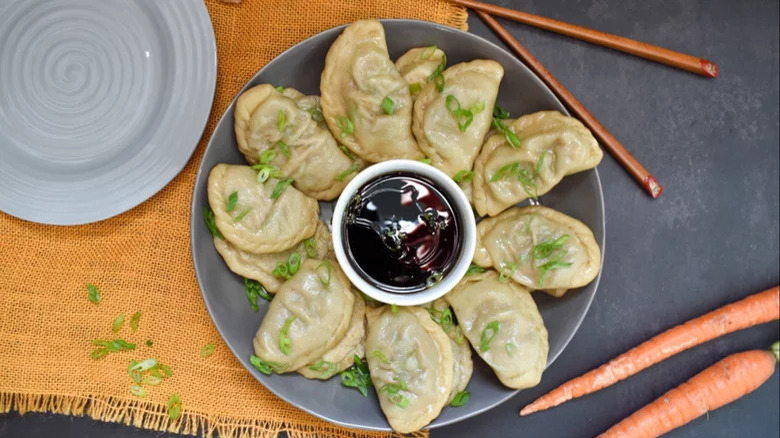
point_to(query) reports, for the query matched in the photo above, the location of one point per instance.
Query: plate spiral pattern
(101, 103)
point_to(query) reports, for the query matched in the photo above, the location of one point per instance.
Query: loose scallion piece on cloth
(94, 292)
(174, 406)
(357, 376)
(118, 323)
(134, 320)
(207, 350)
(137, 390)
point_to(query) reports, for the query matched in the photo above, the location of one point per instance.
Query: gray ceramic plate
(101, 103)
(521, 92)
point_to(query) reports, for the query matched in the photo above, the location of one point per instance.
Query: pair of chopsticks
(679, 60)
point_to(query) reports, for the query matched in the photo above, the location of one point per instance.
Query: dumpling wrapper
(259, 267)
(358, 76)
(342, 355)
(413, 351)
(271, 225)
(552, 146)
(320, 169)
(463, 366)
(417, 64)
(511, 237)
(518, 351)
(321, 317)
(474, 84)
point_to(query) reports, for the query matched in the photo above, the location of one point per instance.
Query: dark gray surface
(710, 239)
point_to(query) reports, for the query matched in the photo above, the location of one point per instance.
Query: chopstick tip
(653, 187)
(709, 68)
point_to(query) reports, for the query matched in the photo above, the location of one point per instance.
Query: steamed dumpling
(267, 120)
(448, 139)
(417, 64)
(410, 361)
(552, 146)
(259, 267)
(502, 323)
(257, 223)
(341, 357)
(358, 77)
(539, 248)
(309, 315)
(461, 353)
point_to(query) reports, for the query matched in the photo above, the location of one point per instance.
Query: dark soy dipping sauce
(401, 233)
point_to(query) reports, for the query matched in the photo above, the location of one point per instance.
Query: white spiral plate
(102, 102)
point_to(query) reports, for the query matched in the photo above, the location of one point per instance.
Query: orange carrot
(755, 309)
(718, 385)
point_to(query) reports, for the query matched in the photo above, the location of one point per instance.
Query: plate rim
(211, 70)
(196, 217)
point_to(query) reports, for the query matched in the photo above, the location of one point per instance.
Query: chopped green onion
(388, 106)
(118, 322)
(280, 89)
(310, 247)
(265, 171)
(527, 181)
(161, 370)
(548, 247)
(152, 380)
(282, 270)
(261, 365)
(428, 52)
(148, 342)
(507, 170)
(463, 176)
(284, 148)
(347, 152)
(474, 270)
(437, 76)
(460, 399)
(281, 120)
(540, 162)
(267, 156)
(241, 215)
(207, 350)
(174, 406)
(255, 290)
(99, 353)
(357, 376)
(328, 267)
(284, 341)
(463, 117)
(143, 365)
(94, 292)
(351, 169)
(294, 263)
(509, 135)
(137, 390)
(280, 187)
(499, 112)
(477, 107)
(208, 217)
(345, 125)
(510, 347)
(393, 308)
(393, 389)
(134, 321)
(457, 335)
(552, 264)
(446, 320)
(326, 368)
(507, 271)
(379, 355)
(316, 115)
(415, 88)
(425, 160)
(488, 333)
(232, 201)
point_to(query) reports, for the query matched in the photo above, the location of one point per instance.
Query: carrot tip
(709, 68)
(653, 187)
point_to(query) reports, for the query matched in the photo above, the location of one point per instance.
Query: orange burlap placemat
(141, 261)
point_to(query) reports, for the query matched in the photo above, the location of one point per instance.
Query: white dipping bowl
(461, 208)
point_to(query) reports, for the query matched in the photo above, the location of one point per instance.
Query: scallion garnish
(134, 321)
(463, 117)
(267, 156)
(161, 370)
(99, 353)
(232, 201)
(109, 347)
(285, 342)
(509, 135)
(310, 247)
(261, 365)
(351, 169)
(552, 264)
(255, 290)
(294, 263)
(488, 333)
(438, 75)
(280, 89)
(345, 125)
(241, 215)
(174, 406)
(143, 365)
(477, 107)
(119, 321)
(500, 113)
(441, 317)
(548, 247)
(152, 380)
(379, 355)
(393, 308)
(539, 163)
(357, 376)
(326, 368)
(207, 350)
(328, 268)
(507, 271)
(415, 88)
(425, 160)
(388, 106)
(265, 171)
(474, 270)
(316, 115)
(507, 170)
(148, 342)
(280, 187)
(428, 52)
(527, 181)
(460, 399)
(282, 271)
(137, 390)
(94, 292)
(281, 120)
(463, 176)
(347, 152)
(284, 148)
(394, 395)
(208, 217)
(509, 347)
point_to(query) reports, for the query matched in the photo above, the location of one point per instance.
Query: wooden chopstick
(640, 174)
(682, 61)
